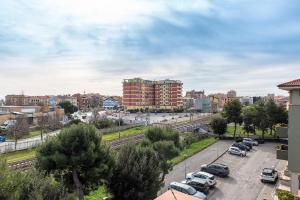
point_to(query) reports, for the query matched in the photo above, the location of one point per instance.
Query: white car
(269, 175)
(189, 190)
(253, 142)
(209, 178)
(236, 151)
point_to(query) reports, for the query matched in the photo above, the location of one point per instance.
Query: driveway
(243, 182)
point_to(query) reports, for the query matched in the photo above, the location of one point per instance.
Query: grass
(98, 194)
(240, 131)
(19, 155)
(193, 149)
(124, 133)
(30, 153)
(285, 195)
(26, 135)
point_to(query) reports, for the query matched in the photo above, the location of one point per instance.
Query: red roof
(294, 83)
(179, 196)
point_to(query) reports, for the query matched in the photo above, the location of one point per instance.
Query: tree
(271, 110)
(43, 123)
(29, 185)
(68, 107)
(261, 120)
(78, 157)
(219, 125)
(166, 150)
(20, 127)
(136, 175)
(233, 111)
(248, 114)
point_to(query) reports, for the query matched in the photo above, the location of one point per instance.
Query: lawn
(97, 194)
(240, 131)
(124, 133)
(28, 135)
(193, 149)
(19, 155)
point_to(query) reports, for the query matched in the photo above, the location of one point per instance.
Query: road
(243, 182)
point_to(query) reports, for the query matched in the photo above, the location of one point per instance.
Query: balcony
(282, 132)
(282, 152)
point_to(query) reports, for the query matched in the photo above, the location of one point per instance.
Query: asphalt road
(243, 182)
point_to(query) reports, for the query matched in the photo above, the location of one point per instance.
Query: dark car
(248, 144)
(241, 146)
(199, 184)
(216, 169)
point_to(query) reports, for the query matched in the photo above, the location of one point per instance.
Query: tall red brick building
(141, 94)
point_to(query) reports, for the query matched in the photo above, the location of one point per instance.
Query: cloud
(70, 46)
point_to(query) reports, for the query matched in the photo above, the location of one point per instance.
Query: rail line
(114, 144)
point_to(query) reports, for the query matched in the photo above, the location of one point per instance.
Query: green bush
(285, 195)
(155, 134)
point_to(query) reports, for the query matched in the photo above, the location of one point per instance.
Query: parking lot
(243, 182)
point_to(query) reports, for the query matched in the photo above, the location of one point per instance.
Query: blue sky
(68, 46)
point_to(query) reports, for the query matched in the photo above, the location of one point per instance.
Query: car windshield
(191, 191)
(267, 174)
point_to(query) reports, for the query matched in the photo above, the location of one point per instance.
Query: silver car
(189, 190)
(253, 142)
(209, 178)
(236, 151)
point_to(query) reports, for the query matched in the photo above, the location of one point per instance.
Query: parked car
(209, 178)
(236, 151)
(253, 142)
(7, 124)
(189, 190)
(2, 138)
(216, 169)
(241, 146)
(260, 140)
(248, 144)
(269, 175)
(200, 185)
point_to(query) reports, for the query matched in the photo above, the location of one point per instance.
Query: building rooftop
(295, 84)
(179, 196)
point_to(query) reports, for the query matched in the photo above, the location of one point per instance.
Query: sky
(70, 46)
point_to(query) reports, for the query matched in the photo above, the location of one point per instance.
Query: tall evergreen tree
(78, 156)
(136, 175)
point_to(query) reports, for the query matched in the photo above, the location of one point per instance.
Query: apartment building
(64, 98)
(231, 93)
(195, 94)
(141, 94)
(291, 152)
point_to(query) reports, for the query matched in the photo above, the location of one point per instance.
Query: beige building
(31, 112)
(292, 151)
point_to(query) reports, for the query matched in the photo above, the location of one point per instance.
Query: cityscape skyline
(59, 47)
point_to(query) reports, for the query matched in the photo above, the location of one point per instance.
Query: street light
(185, 156)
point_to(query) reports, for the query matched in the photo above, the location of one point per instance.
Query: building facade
(195, 94)
(231, 93)
(110, 103)
(293, 87)
(143, 94)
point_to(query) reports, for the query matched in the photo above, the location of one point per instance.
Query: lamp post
(185, 156)
(119, 124)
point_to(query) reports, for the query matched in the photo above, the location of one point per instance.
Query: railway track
(114, 144)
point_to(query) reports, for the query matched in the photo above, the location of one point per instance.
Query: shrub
(156, 134)
(285, 195)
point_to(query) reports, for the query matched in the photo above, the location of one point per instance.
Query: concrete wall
(294, 138)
